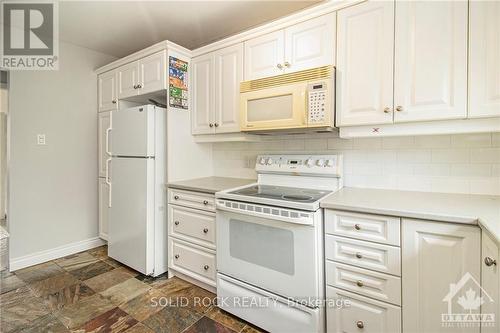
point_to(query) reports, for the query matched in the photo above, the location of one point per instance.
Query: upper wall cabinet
(484, 59)
(107, 92)
(305, 45)
(430, 81)
(216, 79)
(364, 64)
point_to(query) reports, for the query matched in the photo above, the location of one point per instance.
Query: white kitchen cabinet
(264, 55)
(490, 281)
(365, 42)
(203, 95)
(434, 256)
(484, 59)
(430, 81)
(128, 79)
(103, 208)
(153, 73)
(228, 75)
(106, 94)
(104, 122)
(310, 44)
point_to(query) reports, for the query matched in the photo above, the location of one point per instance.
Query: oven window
(270, 108)
(262, 245)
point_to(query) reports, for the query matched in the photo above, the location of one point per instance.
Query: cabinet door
(484, 59)
(152, 71)
(202, 115)
(365, 64)
(310, 44)
(128, 78)
(264, 55)
(103, 208)
(107, 91)
(435, 257)
(104, 122)
(430, 81)
(490, 281)
(228, 75)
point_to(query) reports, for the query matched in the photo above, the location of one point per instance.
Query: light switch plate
(40, 139)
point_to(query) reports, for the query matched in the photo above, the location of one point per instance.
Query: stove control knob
(320, 162)
(262, 161)
(329, 163)
(269, 161)
(309, 162)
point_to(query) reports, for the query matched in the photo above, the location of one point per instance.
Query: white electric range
(270, 260)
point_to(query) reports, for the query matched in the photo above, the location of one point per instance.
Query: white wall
(3, 147)
(53, 188)
(449, 163)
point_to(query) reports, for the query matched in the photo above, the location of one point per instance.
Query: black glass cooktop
(282, 193)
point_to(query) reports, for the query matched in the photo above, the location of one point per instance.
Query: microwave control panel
(317, 102)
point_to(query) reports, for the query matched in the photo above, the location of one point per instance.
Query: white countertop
(210, 184)
(482, 210)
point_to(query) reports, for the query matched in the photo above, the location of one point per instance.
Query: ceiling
(119, 28)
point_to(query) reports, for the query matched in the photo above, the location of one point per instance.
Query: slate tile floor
(90, 292)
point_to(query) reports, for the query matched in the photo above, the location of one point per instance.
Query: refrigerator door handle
(108, 130)
(108, 161)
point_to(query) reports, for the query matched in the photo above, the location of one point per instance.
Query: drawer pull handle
(176, 256)
(357, 227)
(359, 255)
(360, 283)
(176, 222)
(360, 324)
(205, 230)
(206, 267)
(489, 261)
(205, 202)
(176, 197)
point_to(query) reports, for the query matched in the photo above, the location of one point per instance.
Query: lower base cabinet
(490, 281)
(103, 208)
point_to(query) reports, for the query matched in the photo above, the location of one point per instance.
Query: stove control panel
(314, 165)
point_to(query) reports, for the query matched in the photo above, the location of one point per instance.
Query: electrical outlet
(40, 139)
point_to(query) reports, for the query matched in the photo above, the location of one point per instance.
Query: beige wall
(3, 147)
(53, 188)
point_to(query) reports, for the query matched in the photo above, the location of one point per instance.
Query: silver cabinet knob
(206, 267)
(176, 222)
(279, 66)
(135, 86)
(139, 86)
(205, 202)
(176, 197)
(287, 64)
(387, 110)
(489, 261)
(216, 125)
(399, 108)
(360, 324)
(113, 101)
(176, 256)
(359, 255)
(360, 283)
(205, 230)
(211, 125)
(357, 227)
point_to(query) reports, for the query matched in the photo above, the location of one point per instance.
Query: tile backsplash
(468, 163)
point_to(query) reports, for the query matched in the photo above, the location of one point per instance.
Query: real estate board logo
(30, 35)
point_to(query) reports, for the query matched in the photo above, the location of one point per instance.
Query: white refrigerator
(137, 230)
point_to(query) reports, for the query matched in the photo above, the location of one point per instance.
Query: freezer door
(131, 216)
(133, 131)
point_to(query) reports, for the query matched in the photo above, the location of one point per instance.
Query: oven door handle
(299, 220)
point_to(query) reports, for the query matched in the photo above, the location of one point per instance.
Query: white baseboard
(58, 252)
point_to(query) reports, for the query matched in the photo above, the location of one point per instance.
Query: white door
(103, 125)
(202, 116)
(131, 215)
(430, 80)
(264, 55)
(434, 256)
(128, 79)
(490, 281)
(365, 44)
(103, 208)
(310, 44)
(228, 75)
(484, 58)
(107, 91)
(153, 73)
(133, 132)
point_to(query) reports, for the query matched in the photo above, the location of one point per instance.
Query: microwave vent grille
(318, 73)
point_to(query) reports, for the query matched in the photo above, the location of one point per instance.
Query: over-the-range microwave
(299, 101)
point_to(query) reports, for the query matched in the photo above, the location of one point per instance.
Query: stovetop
(291, 194)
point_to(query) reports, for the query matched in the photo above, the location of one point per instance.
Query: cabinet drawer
(192, 199)
(192, 225)
(380, 286)
(375, 228)
(192, 260)
(363, 315)
(382, 258)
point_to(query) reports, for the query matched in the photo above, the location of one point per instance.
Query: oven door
(281, 257)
